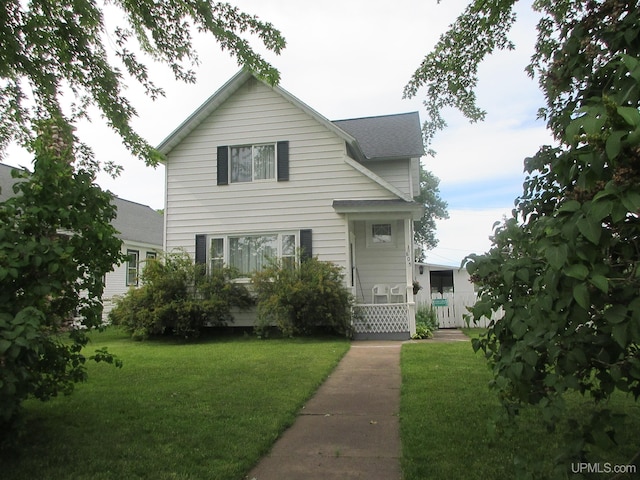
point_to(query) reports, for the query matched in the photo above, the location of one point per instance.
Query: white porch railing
(381, 318)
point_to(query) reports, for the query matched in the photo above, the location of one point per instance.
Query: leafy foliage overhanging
(565, 267)
(58, 59)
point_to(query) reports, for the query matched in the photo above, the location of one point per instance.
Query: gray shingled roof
(135, 222)
(387, 136)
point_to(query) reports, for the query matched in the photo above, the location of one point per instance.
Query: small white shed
(447, 289)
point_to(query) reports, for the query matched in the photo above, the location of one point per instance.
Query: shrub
(178, 297)
(301, 297)
(426, 322)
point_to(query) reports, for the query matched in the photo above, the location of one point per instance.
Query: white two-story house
(256, 173)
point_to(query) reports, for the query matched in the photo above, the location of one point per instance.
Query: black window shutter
(283, 161)
(201, 249)
(223, 165)
(306, 245)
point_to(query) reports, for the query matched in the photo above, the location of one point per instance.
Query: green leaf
(600, 209)
(4, 346)
(631, 115)
(631, 200)
(601, 282)
(581, 295)
(614, 144)
(570, 206)
(578, 271)
(593, 123)
(616, 314)
(620, 334)
(591, 229)
(556, 255)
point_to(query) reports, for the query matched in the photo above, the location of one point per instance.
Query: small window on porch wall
(380, 234)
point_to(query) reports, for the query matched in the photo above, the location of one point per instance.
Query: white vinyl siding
(397, 172)
(318, 175)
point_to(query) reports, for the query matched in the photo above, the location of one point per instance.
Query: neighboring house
(256, 173)
(140, 229)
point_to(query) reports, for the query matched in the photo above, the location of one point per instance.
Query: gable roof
(135, 222)
(226, 91)
(386, 136)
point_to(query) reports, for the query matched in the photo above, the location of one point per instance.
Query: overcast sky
(349, 59)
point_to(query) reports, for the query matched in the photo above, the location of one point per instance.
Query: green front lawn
(207, 410)
(446, 418)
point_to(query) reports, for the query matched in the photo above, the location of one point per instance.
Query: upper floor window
(251, 163)
(254, 162)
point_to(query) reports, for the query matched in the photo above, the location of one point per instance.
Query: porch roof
(412, 209)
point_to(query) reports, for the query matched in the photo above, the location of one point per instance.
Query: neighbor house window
(133, 261)
(152, 255)
(253, 162)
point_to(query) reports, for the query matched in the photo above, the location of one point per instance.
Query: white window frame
(372, 242)
(226, 240)
(130, 268)
(253, 148)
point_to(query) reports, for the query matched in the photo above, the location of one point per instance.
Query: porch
(380, 266)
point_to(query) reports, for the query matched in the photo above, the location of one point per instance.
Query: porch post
(411, 304)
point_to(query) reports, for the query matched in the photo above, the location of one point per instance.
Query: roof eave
(206, 109)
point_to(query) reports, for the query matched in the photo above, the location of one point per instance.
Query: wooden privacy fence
(451, 309)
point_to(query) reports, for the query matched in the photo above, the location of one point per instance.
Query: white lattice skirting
(381, 318)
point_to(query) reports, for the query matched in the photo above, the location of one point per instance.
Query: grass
(446, 420)
(208, 410)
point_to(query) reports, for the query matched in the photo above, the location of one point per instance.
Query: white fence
(451, 309)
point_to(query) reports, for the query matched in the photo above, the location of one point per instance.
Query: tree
(56, 240)
(564, 267)
(56, 245)
(435, 209)
(54, 49)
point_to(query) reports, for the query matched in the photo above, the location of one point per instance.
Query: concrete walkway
(350, 429)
